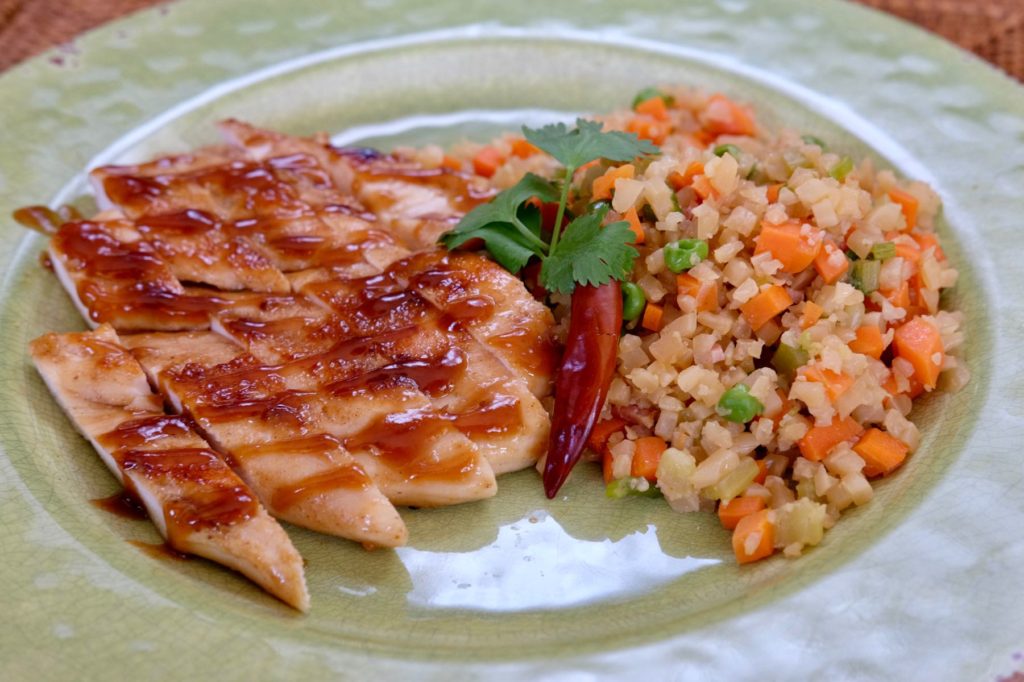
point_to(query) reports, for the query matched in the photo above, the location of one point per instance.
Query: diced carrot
(754, 537)
(648, 128)
(451, 163)
(603, 186)
(881, 453)
(762, 470)
(704, 293)
(722, 116)
(835, 383)
(765, 305)
(646, 457)
(680, 180)
(899, 297)
(703, 187)
(869, 341)
(633, 219)
(651, 320)
(487, 161)
(730, 513)
(908, 204)
(602, 431)
(831, 267)
(916, 388)
(773, 192)
(790, 244)
(926, 240)
(811, 314)
(819, 440)
(919, 343)
(907, 251)
(523, 149)
(607, 469)
(654, 107)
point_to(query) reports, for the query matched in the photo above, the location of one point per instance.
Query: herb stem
(534, 239)
(562, 201)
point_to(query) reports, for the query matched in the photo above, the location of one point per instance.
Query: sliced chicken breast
(301, 474)
(196, 501)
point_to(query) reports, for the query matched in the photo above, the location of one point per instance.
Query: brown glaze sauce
(44, 219)
(160, 550)
(433, 376)
(289, 407)
(143, 431)
(123, 504)
(406, 441)
(532, 351)
(466, 310)
(216, 498)
(322, 445)
(341, 478)
(495, 415)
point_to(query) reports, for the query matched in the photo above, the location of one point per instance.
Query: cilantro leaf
(587, 142)
(589, 254)
(503, 207)
(504, 242)
(509, 229)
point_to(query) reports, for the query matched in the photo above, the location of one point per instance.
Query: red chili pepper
(581, 384)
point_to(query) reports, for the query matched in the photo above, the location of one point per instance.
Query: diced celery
(735, 482)
(883, 250)
(842, 168)
(788, 359)
(864, 275)
(624, 487)
(800, 522)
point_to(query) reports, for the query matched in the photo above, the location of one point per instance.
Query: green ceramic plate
(926, 582)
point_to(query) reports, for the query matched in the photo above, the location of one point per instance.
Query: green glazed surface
(924, 582)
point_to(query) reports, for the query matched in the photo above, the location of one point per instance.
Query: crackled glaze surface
(518, 586)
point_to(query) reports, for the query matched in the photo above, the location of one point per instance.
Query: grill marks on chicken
(268, 291)
(195, 500)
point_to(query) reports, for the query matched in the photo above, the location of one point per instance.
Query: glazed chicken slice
(301, 475)
(195, 500)
(414, 455)
(472, 294)
(396, 335)
(414, 203)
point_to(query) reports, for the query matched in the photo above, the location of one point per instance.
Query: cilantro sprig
(581, 253)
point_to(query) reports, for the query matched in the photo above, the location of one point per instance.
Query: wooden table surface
(992, 29)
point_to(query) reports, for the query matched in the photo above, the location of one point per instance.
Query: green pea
(633, 301)
(684, 254)
(788, 359)
(737, 405)
(842, 168)
(731, 149)
(648, 93)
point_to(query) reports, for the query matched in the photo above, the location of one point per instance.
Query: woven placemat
(992, 29)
